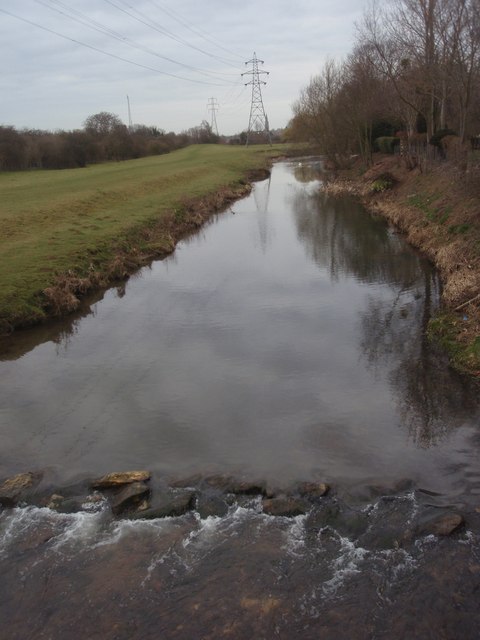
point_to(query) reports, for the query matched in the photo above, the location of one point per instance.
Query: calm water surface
(285, 341)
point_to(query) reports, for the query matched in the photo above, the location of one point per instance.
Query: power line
(106, 53)
(97, 26)
(196, 30)
(156, 27)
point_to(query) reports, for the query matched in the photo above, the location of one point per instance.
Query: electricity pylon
(213, 107)
(258, 121)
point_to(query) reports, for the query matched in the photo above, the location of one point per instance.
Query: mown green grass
(52, 222)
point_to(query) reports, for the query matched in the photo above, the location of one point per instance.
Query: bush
(386, 144)
(383, 182)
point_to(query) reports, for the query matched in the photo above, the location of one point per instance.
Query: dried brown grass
(445, 227)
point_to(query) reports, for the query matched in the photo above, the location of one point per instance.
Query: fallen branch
(464, 304)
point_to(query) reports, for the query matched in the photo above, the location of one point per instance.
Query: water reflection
(286, 339)
(285, 342)
(308, 170)
(345, 241)
(432, 399)
(261, 195)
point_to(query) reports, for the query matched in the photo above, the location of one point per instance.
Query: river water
(283, 342)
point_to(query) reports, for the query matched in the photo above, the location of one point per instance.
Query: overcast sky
(51, 81)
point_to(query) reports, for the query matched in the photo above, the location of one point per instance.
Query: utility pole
(129, 115)
(213, 107)
(258, 121)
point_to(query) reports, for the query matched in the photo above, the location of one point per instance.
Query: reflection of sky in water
(285, 339)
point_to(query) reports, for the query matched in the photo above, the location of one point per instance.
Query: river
(284, 342)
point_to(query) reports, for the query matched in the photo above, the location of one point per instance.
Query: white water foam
(123, 528)
(67, 529)
(350, 557)
(207, 536)
(172, 559)
(14, 524)
(295, 535)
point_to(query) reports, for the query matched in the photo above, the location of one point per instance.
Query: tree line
(411, 82)
(103, 137)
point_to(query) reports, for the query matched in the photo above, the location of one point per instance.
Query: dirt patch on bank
(439, 213)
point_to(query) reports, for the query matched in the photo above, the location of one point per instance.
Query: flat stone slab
(130, 495)
(313, 489)
(442, 524)
(229, 484)
(168, 507)
(120, 478)
(208, 506)
(13, 489)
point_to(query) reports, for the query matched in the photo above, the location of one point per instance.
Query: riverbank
(438, 213)
(65, 233)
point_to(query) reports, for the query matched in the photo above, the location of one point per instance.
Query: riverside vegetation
(438, 212)
(63, 233)
(410, 88)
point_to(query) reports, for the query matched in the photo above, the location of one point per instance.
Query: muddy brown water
(283, 342)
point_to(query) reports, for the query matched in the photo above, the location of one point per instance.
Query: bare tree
(429, 51)
(317, 114)
(103, 123)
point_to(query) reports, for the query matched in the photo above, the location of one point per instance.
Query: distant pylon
(213, 108)
(258, 118)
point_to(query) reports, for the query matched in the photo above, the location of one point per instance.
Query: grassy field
(71, 221)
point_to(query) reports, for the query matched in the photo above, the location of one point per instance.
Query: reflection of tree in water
(342, 238)
(308, 171)
(432, 399)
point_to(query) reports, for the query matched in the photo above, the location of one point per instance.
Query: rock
(168, 506)
(211, 506)
(16, 488)
(248, 488)
(220, 483)
(440, 524)
(54, 501)
(313, 490)
(75, 504)
(229, 484)
(119, 479)
(285, 506)
(190, 481)
(68, 505)
(340, 518)
(130, 495)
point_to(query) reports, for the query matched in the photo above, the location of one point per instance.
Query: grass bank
(63, 233)
(439, 213)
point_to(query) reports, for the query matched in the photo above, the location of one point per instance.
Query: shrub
(383, 182)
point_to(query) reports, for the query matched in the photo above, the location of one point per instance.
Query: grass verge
(63, 233)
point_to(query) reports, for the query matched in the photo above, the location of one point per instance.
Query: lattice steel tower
(213, 108)
(258, 118)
